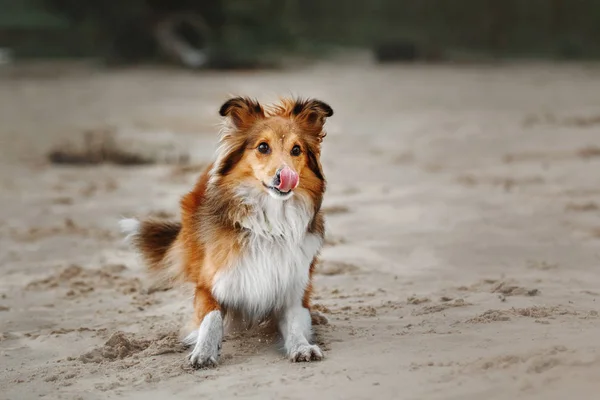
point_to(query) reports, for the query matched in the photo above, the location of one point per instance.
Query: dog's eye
(296, 150)
(264, 148)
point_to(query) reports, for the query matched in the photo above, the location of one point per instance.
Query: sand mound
(123, 345)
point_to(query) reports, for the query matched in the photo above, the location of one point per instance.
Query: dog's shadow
(241, 342)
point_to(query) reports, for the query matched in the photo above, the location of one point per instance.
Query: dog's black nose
(277, 179)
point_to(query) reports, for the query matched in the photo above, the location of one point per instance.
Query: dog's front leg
(208, 338)
(296, 329)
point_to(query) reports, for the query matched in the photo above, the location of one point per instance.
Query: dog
(251, 229)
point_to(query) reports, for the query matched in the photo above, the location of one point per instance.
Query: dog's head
(273, 149)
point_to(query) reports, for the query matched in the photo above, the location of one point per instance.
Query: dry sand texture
(464, 234)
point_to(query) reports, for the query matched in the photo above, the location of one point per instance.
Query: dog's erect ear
(312, 114)
(243, 111)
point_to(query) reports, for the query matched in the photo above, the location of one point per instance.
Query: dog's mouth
(274, 190)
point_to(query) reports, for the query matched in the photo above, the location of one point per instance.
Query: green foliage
(28, 14)
(249, 29)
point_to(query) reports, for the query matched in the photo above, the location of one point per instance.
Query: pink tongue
(288, 180)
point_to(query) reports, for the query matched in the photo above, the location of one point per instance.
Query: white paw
(306, 352)
(204, 357)
(208, 341)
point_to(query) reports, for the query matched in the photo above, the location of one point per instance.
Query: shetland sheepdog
(251, 229)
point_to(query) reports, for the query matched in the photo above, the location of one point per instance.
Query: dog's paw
(306, 352)
(204, 358)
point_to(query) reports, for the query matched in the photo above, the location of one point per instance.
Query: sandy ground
(462, 261)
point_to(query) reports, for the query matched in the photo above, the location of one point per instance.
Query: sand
(463, 249)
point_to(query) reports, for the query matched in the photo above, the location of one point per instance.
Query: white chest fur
(273, 268)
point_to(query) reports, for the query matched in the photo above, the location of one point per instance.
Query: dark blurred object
(185, 38)
(396, 51)
(102, 147)
(99, 147)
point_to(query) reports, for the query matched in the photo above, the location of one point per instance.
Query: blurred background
(462, 207)
(247, 33)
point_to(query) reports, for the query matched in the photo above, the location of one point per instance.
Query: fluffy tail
(156, 242)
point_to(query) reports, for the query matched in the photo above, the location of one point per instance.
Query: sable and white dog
(251, 229)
